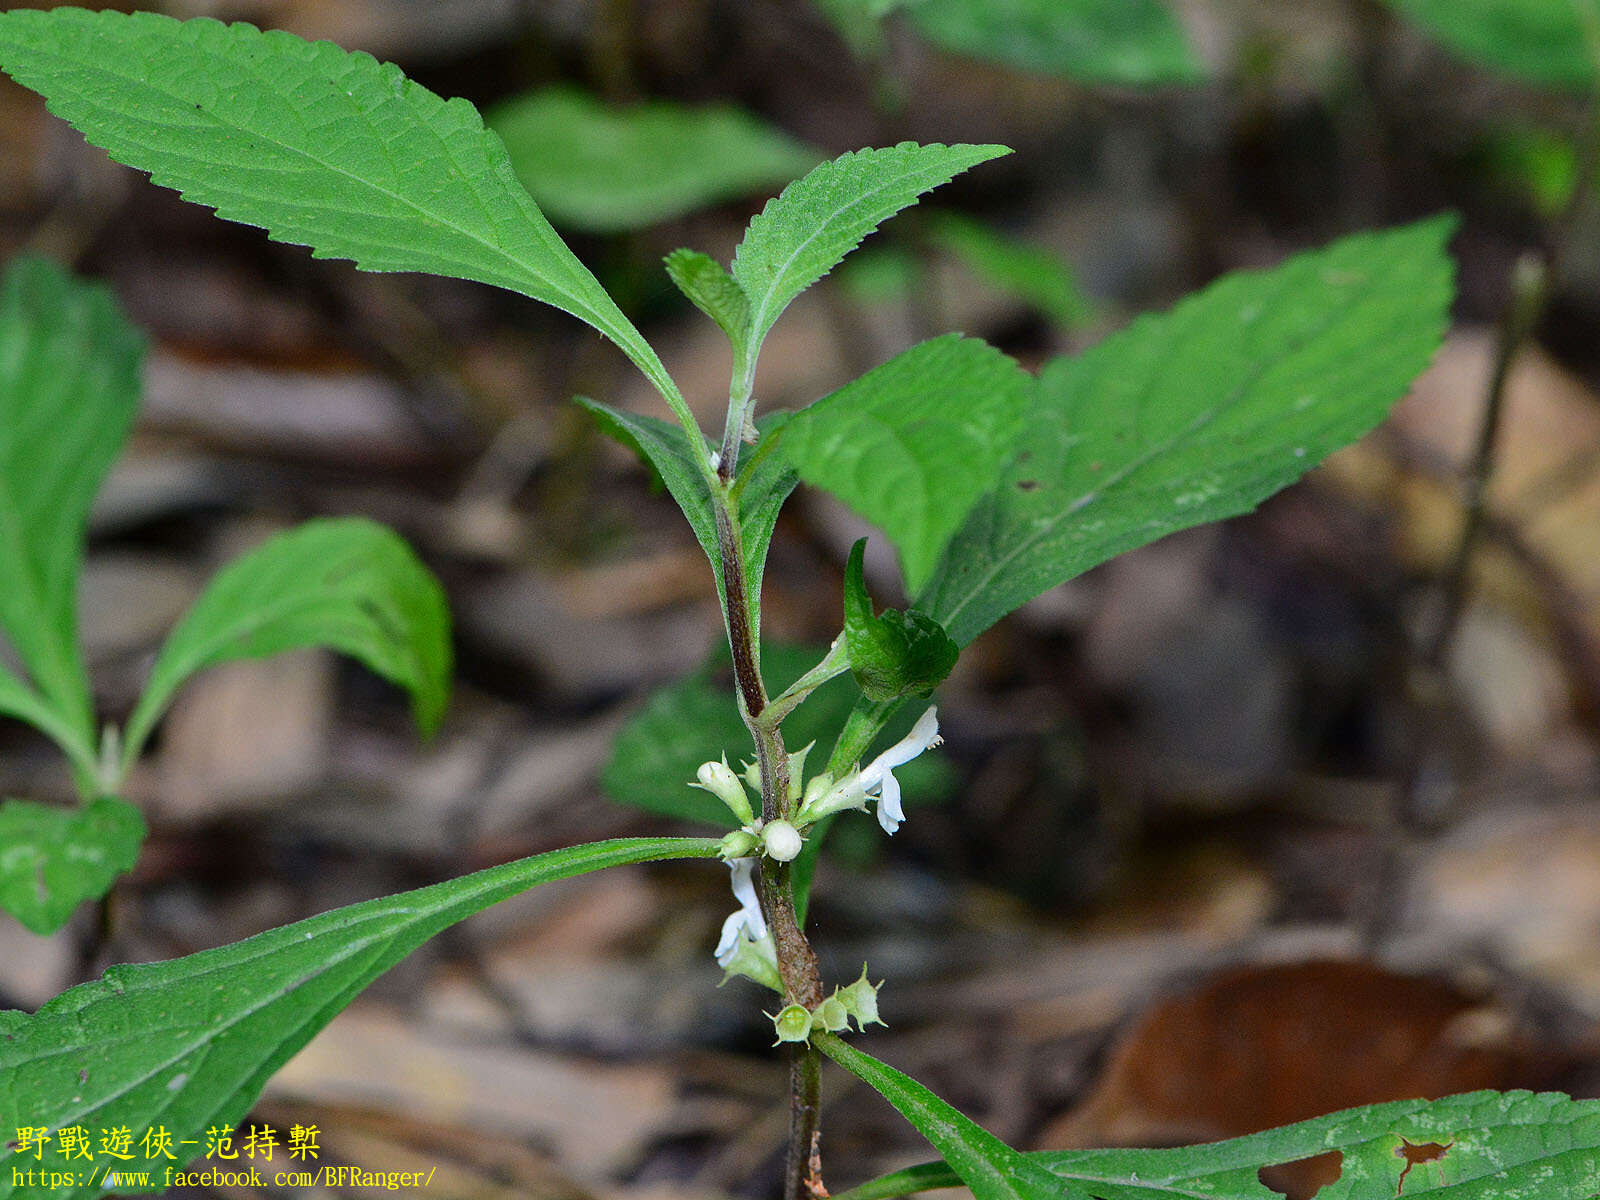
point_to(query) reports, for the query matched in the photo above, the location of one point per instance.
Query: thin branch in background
(1416, 808)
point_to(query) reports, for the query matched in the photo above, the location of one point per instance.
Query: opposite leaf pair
(69, 387)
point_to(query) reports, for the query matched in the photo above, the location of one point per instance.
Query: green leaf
(992, 1169)
(1537, 166)
(19, 700)
(1129, 42)
(896, 654)
(1497, 1146)
(53, 858)
(346, 583)
(1554, 43)
(913, 444)
(605, 168)
(1032, 274)
(804, 233)
(1199, 414)
(767, 485)
(319, 147)
(69, 386)
(713, 291)
(190, 1043)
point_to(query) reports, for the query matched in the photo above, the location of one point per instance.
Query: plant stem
(797, 962)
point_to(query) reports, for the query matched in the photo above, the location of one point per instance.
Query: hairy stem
(797, 962)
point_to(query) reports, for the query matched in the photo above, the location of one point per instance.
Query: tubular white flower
(878, 775)
(747, 919)
(877, 779)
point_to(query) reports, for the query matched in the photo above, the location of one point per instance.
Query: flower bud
(782, 840)
(860, 1000)
(741, 843)
(752, 776)
(718, 779)
(793, 1024)
(831, 1016)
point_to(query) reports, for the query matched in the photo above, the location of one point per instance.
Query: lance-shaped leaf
(346, 583)
(914, 443)
(69, 386)
(713, 291)
(190, 1043)
(818, 219)
(317, 146)
(1130, 42)
(992, 1169)
(606, 168)
(767, 484)
(52, 858)
(1555, 43)
(895, 654)
(1198, 414)
(1477, 1146)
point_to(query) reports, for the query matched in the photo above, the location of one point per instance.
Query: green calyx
(792, 1023)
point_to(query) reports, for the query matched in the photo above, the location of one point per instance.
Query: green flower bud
(816, 788)
(860, 1000)
(741, 843)
(782, 840)
(752, 776)
(831, 1016)
(718, 779)
(793, 1024)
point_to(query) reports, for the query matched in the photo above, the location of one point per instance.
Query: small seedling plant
(993, 484)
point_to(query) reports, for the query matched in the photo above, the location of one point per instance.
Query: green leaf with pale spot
(1129, 42)
(345, 583)
(818, 219)
(913, 444)
(1553, 43)
(1198, 414)
(70, 369)
(53, 858)
(319, 147)
(189, 1044)
(992, 1169)
(1496, 1146)
(605, 168)
(894, 654)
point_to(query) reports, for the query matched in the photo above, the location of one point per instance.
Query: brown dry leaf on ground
(1260, 1046)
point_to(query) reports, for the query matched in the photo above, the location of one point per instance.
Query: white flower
(877, 779)
(746, 946)
(747, 918)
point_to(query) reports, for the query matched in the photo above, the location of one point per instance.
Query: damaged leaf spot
(1304, 1177)
(1416, 1153)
